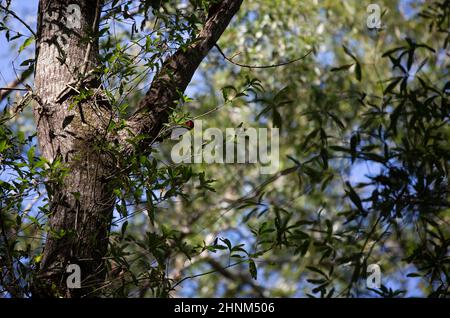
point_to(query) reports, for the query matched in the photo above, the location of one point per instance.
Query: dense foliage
(364, 151)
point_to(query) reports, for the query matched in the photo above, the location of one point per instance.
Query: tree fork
(81, 204)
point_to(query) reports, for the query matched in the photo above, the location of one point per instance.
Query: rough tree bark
(81, 203)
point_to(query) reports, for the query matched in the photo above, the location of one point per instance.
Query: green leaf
(317, 270)
(354, 141)
(358, 72)
(227, 243)
(277, 119)
(227, 90)
(354, 197)
(26, 43)
(124, 228)
(252, 269)
(342, 68)
(413, 275)
(30, 155)
(27, 62)
(393, 84)
(349, 53)
(389, 52)
(336, 120)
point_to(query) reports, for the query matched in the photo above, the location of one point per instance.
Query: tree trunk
(71, 131)
(81, 204)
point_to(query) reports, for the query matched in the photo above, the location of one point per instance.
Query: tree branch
(238, 277)
(12, 86)
(261, 66)
(177, 71)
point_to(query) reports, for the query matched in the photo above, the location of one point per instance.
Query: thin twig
(89, 46)
(205, 273)
(261, 66)
(12, 89)
(19, 19)
(5, 91)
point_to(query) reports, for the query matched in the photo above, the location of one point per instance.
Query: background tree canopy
(364, 152)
